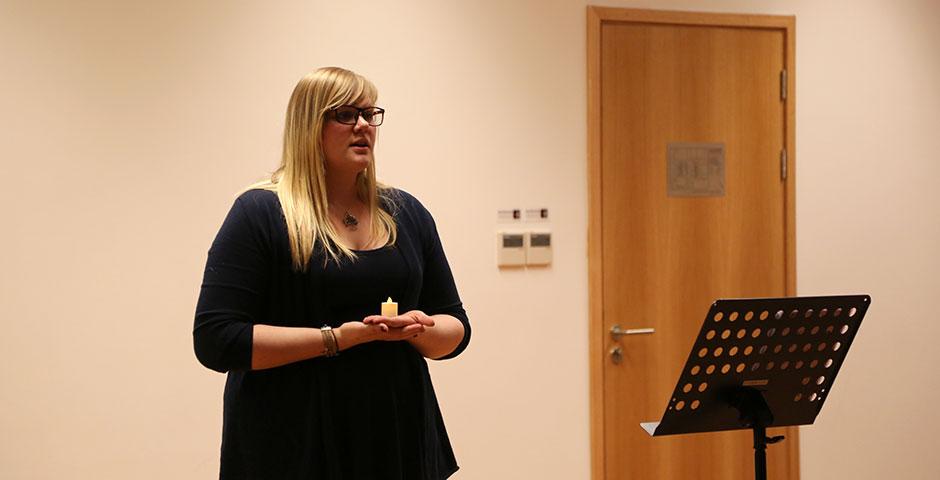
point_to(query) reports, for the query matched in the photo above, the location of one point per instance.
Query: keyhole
(616, 354)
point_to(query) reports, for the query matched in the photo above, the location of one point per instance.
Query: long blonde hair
(300, 180)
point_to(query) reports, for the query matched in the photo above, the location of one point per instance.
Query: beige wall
(126, 128)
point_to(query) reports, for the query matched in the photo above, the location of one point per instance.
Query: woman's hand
(387, 329)
(433, 337)
(408, 324)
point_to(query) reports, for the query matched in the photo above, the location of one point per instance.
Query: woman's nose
(361, 123)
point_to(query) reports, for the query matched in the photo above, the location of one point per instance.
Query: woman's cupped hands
(377, 327)
(407, 325)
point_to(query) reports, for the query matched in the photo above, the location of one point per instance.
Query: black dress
(369, 413)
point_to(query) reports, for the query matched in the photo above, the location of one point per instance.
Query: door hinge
(783, 84)
(783, 164)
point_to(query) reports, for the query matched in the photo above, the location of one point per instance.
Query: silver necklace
(349, 220)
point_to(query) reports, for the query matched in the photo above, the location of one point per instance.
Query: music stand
(760, 363)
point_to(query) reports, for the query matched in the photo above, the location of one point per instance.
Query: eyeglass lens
(349, 115)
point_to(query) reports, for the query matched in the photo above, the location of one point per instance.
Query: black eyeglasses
(349, 115)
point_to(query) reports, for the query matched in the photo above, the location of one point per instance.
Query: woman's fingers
(402, 327)
(400, 321)
(412, 329)
(421, 318)
(403, 333)
(375, 319)
(379, 331)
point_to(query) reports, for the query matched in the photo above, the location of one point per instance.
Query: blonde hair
(300, 180)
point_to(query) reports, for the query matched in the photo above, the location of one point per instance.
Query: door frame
(596, 17)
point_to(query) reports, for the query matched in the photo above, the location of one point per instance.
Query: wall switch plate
(510, 249)
(538, 248)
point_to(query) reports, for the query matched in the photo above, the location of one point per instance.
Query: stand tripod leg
(760, 453)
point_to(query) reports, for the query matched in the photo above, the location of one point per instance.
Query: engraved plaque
(695, 169)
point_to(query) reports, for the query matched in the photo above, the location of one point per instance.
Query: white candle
(389, 308)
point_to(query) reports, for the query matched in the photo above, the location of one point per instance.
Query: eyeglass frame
(359, 111)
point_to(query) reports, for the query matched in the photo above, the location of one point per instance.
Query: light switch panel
(538, 248)
(510, 249)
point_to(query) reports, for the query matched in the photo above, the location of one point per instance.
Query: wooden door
(664, 246)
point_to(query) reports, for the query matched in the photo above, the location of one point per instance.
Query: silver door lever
(616, 332)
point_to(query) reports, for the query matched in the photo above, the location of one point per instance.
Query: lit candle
(389, 308)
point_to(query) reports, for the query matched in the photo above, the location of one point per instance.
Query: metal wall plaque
(695, 169)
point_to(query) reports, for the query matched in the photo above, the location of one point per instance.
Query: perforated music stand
(760, 363)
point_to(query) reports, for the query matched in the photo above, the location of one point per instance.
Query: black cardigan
(371, 412)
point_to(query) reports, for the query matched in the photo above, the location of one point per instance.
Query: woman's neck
(342, 192)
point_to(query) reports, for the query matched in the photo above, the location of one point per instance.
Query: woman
(319, 386)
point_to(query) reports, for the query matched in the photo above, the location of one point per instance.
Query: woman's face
(348, 148)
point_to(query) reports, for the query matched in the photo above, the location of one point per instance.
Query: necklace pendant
(350, 221)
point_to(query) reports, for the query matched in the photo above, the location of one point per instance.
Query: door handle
(616, 332)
